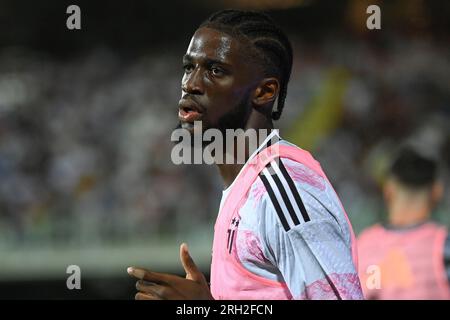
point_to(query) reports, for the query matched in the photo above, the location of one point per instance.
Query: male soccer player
(281, 231)
(408, 257)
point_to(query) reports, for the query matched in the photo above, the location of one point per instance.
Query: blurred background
(86, 116)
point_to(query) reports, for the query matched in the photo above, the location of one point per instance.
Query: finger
(186, 260)
(145, 296)
(192, 272)
(144, 286)
(150, 276)
(163, 292)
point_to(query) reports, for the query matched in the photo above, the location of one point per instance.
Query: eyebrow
(208, 61)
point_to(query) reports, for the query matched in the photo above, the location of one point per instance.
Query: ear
(437, 191)
(266, 92)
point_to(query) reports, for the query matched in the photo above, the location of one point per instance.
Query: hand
(164, 286)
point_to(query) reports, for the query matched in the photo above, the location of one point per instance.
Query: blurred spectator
(408, 256)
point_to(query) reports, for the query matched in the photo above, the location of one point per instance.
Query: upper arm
(314, 261)
(313, 255)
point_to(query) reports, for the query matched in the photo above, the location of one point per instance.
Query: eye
(188, 67)
(216, 71)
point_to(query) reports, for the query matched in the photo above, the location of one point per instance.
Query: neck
(405, 213)
(256, 122)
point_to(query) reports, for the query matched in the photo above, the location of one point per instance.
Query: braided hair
(271, 44)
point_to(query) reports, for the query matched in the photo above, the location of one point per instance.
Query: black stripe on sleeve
(275, 203)
(294, 190)
(285, 197)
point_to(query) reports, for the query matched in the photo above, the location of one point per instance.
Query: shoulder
(367, 240)
(369, 232)
(297, 193)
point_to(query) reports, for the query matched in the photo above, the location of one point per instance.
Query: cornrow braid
(270, 41)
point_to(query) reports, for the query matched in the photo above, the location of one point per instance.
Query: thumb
(192, 272)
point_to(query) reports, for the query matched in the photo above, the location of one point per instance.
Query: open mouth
(188, 113)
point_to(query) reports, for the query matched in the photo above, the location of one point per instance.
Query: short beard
(237, 118)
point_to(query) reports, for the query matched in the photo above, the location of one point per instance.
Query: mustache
(193, 98)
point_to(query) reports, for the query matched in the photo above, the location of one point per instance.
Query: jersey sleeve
(314, 255)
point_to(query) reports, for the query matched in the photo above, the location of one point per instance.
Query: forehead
(213, 44)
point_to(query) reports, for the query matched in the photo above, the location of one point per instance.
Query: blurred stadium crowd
(85, 150)
(85, 141)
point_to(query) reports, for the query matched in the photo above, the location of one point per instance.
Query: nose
(192, 83)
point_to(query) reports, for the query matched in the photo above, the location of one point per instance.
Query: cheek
(230, 90)
(225, 100)
(238, 96)
(226, 95)
(241, 92)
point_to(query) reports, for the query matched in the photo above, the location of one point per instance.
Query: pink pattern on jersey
(306, 175)
(248, 247)
(229, 278)
(258, 191)
(347, 285)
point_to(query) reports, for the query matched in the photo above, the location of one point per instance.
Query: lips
(188, 115)
(188, 111)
